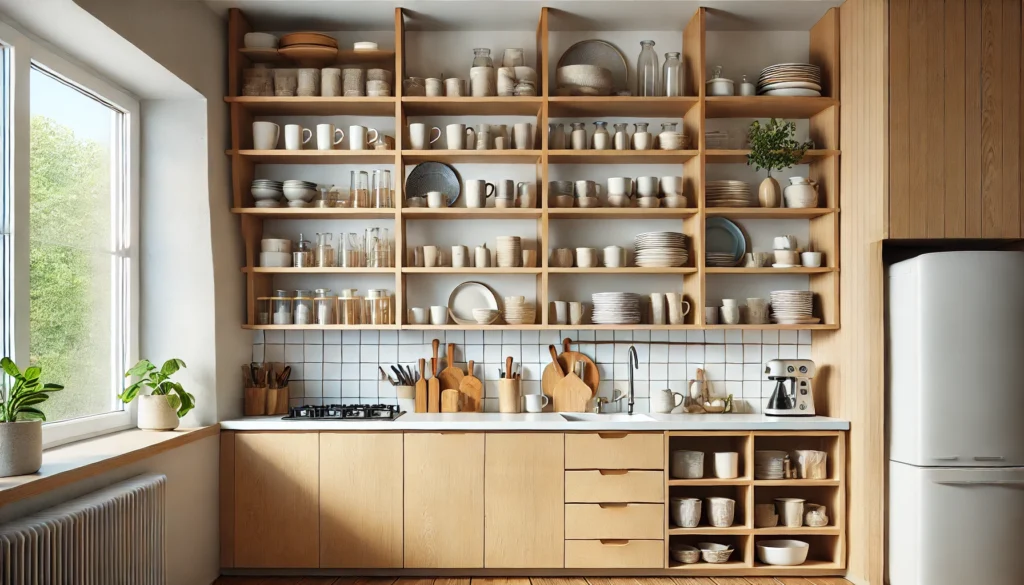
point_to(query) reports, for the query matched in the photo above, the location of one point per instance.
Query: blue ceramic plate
(724, 236)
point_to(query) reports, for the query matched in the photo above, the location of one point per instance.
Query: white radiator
(114, 536)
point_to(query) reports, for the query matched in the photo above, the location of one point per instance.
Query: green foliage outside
(773, 147)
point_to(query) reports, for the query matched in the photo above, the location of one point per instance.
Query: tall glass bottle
(647, 70)
(672, 75)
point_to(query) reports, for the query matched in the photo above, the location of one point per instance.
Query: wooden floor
(534, 581)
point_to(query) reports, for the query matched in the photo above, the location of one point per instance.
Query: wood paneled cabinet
(955, 120)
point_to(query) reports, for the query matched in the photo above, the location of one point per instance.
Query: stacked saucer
(510, 251)
(793, 307)
(729, 194)
(790, 79)
(661, 249)
(267, 193)
(519, 312)
(719, 259)
(616, 308)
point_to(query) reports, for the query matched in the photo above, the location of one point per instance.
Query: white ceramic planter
(156, 414)
(21, 447)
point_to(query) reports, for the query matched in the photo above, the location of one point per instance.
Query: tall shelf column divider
(694, 57)
(543, 243)
(399, 171)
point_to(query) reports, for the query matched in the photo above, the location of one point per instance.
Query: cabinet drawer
(614, 485)
(614, 554)
(622, 521)
(614, 451)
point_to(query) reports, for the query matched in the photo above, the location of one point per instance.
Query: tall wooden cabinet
(955, 119)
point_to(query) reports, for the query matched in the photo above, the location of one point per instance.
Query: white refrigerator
(955, 391)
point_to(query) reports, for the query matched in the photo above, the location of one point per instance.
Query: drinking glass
(482, 58)
(378, 248)
(359, 193)
(380, 194)
(324, 250)
(350, 253)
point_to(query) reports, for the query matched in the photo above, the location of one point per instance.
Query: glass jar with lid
(282, 302)
(378, 309)
(350, 307)
(323, 304)
(302, 257)
(303, 307)
(482, 58)
(263, 307)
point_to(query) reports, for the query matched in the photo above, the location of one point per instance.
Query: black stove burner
(343, 412)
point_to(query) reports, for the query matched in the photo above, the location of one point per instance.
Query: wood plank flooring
(533, 581)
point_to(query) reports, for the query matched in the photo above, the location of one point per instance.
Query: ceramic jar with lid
(747, 88)
(718, 85)
(801, 192)
(602, 140)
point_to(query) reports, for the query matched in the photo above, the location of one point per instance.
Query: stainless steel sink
(613, 417)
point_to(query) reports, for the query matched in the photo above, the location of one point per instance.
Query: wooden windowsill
(83, 459)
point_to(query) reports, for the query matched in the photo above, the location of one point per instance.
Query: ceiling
(368, 15)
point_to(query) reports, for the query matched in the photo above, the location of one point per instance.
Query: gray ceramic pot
(21, 447)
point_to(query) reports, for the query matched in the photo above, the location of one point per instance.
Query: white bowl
(674, 201)
(275, 259)
(276, 245)
(364, 46)
(268, 203)
(260, 40)
(261, 193)
(786, 553)
(720, 86)
(299, 193)
(485, 316)
(584, 79)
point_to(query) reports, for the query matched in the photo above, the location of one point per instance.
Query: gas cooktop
(344, 412)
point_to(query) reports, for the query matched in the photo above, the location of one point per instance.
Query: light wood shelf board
(472, 156)
(623, 270)
(625, 106)
(475, 327)
(620, 213)
(602, 157)
(777, 327)
(315, 213)
(768, 213)
(472, 106)
(784, 531)
(739, 156)
(488, 213)
(702, 567)
(320, 327)
(796, 482)
(711, 530)
(707, 481)
(471, 270)
(316, 106)
(767, 270)
(766, 106)
(318, 270)
(316, 157)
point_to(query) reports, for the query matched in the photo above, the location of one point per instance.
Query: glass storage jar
(359, 192)
(263, 308)
(302, 257)
(323, 304)
(482, 58)
(282, 302)
(303, 308)
(647, 70)
(350, 308)
(602, 140)
(324, 255)
(672, 75)
(378, 307)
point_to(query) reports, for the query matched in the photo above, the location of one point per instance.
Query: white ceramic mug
(586, 257)
(295, 136)
(477, 192)
(575, 312)
(505, 189)
(614, 256)
(561, 312)
(647, 186)
(620, 186)
(678, 309)
(436, 200)
(360, 136)
(265, 135)
(419, 316)
(327, 136)
(671, 186)
(527, 194)
(460, 256)
(438, 315)
(664, 401)
(535, 402)
(456, 136)
(730, 315)
(522, 135)
(420, 136)
(483, 257)
(657, 311)
(431, 256)
(811, 259)
(785, 242)
(434, 87)
(727, 465)
(453, 87)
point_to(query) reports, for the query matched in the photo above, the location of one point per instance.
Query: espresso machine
(792, 395)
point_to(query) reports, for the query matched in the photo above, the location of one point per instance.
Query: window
(68, 222)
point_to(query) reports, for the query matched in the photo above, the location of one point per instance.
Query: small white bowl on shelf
(259, 40)
(715, 553)
(684, 553)
(485, 316)
(275, 259)
(276, 245)
(364, 46)
(785, 553)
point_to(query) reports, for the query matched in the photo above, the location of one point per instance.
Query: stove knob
(803, 406)
(803, 391)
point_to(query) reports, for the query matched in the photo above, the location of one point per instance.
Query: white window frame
(24, 52)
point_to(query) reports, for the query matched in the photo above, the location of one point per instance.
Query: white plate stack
(769, 464)
(616, 308)
(510, 251)
(519, 312)
(790, 79)
(729, 194)
(793, 307)
(719, 259)
(661, 249)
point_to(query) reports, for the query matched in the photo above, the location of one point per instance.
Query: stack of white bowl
(299, 193)
(509, 251)
(519, 312)
(267, 193)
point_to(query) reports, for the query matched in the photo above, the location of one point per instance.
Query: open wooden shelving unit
(692, 110)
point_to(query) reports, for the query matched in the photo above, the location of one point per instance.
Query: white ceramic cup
(477, 192)
(436, 200)
(522, 135)
(730, 302)
(535, 402)
(505, 189)
(791, 511)
(421, 136)
(483, 81)
(657, 308)
(431, 256)
(586, 257)
(647, 186)
(614, 256)
(618, 186)
(811, 259)
(730, 315)
(455, 136)
(711, 315)
(295, 136)
(453, 87)
(460, 256)
(419, 316)
(360, 136)
(265, 135)
(727, 465)
(671, 186)
(561, 312)
(785, 243)
(527, 192)
(327, 136)
(678, 309)
(575, 312)
(438, 315)
(483, 257)
(434, 87)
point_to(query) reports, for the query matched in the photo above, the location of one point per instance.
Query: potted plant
(167, 401)
(773, 148)
(21, 423)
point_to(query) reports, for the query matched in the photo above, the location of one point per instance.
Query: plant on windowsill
(21, 423)
(773, 148)
(167, 401)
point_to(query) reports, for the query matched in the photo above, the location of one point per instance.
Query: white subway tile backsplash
(313, 353)
(294, 353)
(677, 353)
(788, 336)
(751, 336)
(273, 337)
(294, 337)
(804, 336)
(787, 352)
(333, 337)
(273, 352)
(332, 371)
(315, 336)
(332, 389)
(733, 353)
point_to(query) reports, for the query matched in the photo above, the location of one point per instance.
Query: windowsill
(84, 459)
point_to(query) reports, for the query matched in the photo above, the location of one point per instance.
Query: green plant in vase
(167, 401)
(21, 422)
(773, 147)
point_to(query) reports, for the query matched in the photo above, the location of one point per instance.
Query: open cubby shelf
(546, 283)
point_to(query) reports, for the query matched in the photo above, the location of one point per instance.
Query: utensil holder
(277, 400)
(255, 402)
(405, 392)
(510, 399)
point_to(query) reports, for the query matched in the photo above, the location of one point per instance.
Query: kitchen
(434, 384)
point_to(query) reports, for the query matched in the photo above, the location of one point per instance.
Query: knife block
(510, 398)
(265, 401)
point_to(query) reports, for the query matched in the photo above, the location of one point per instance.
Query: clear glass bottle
(513, 58)
(672, 75)
(482, 58)
(324, 255)
(647, 70)
(620, 140)
(602, 140)
(578, 136)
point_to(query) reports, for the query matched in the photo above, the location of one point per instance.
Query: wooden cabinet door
(444, 500)
(524, 486)
(277, 500)
(361, 507)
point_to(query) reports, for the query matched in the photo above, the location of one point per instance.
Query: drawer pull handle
(609, 505)
(614, 542)
(612, 435)
(613, 471)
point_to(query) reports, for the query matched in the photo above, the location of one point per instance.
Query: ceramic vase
(21, 447)
(769, 194)
(156, 414)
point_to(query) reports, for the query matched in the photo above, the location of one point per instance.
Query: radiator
(114, 536)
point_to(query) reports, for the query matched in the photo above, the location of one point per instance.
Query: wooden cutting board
(451, 376)
(571, 394)
(591, 377)
(451, 400)
(433, 389)
(421, 388)
(472, 392)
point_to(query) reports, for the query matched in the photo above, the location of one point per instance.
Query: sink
(614, 417)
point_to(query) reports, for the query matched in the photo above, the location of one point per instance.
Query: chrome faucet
(632, 362)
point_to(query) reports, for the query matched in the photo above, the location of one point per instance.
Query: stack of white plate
(719, 259)
(616, 308)
(510, 251)
(519, 312)
(793, 307)
(790, 79)
(267, 193)
(769, 464)
(729, 194)
(661, 249)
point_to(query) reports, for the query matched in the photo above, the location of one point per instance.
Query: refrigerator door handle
(982, 482)
(950, 458)
(989, 458)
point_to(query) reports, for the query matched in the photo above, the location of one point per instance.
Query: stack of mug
(610, 257)
(788, 255)
(731, 313)
(266, 136)
(482, 137)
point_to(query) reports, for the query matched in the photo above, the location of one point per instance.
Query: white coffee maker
(792, 395)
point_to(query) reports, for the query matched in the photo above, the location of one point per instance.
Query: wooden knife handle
(469, 371)
(451, 354)
(554, 360)
(423, 368)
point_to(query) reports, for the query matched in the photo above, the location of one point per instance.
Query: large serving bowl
(786, 553)
(583, 80)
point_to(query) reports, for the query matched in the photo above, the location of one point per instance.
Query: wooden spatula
(451, 400)
(571, 393)
(451, 376)
(433, 389)
(421, 388)
(472, 391)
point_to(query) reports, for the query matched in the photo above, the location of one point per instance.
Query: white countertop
(488, 421)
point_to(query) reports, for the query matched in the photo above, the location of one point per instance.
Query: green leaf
(32, 414)
(32, 373)
(171, 366)
(130, 393)
(9, 367)
(140, 369)
(52, 387)
(174, 401)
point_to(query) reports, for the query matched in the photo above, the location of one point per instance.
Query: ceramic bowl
(267, 203)
(786, 553)
(720, 86)
(587, 202)
(260, 40)
(584, 80)
(276, 245)
(364, 46)
(712, 552)
(485, 316)
(564, 201)
(648, 202)
(674, 201)
(416, 202)
(684, 553)
(787, 257)
(262, 193)
(275, 259)
(298, 193)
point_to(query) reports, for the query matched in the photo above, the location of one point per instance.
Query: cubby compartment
(824, 552)
(739, 494)
(722, 442)
(827, 496)
(831, 443)
(739, 558)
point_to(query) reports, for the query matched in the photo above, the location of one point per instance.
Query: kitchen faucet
(632, 362)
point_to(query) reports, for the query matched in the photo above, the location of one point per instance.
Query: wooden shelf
(318, 270)
(767, 270)
(784, 531)
(768, 213)
(314, 213)
(620, 213)
(320, 327)
(810, 566)
(489, 213)
(710, 481)
(777, 327)
(316, 106)
(624, 106)
(623, 270)
(472, 106)
(739, 156)
(471, 270)
(711, 530)
(603, 157)
(796, 482)
(637, 326)
(472, 156)
(701, 567)
(316, 157)
(766, 106)
(474, 327)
